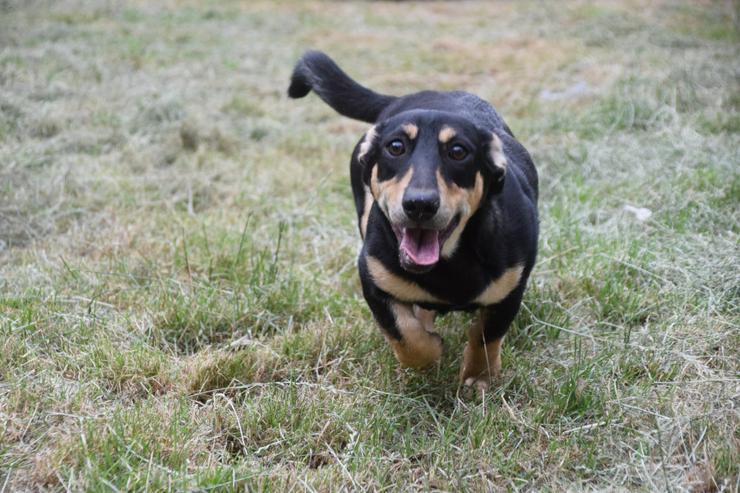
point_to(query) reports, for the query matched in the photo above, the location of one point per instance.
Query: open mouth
(419, 248)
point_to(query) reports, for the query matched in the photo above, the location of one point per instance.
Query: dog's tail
(315, 70)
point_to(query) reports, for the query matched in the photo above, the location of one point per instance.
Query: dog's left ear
(495, 161)
(367, 152)
(368, 149)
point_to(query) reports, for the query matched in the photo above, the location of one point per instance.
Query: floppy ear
(367, 152)
(495, 160)
(368, 148)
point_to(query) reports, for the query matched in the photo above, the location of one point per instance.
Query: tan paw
(480, 383)
(480, 363)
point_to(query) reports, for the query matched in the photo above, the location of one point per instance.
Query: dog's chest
(446, 286)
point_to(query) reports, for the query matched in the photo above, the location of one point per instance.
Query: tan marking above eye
(397, 286)
(499, 288)
(411, 130)
(446, 134)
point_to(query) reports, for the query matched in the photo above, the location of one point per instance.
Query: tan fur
(497, 152)
(397, 286)
(499, 288)
(481, 363)
(374, 183)
(368, 202)
(446, 134)
(462, 200)
(367, 142)
(389, 193)
(474, 196)
(426, 317)
(418, 348)
(411, 130)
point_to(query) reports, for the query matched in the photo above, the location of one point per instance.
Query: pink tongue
(421, 245)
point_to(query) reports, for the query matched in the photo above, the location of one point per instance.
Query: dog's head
(429, 171)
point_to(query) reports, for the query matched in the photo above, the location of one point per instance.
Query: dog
(446, 201)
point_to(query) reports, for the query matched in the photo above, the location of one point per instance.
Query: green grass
(179, 304)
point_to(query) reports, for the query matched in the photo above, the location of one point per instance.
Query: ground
(179, 305)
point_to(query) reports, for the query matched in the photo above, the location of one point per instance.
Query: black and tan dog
(447, 205)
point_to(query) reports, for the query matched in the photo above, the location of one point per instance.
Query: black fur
(500, 234)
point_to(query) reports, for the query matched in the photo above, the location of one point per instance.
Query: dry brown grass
(179, 308)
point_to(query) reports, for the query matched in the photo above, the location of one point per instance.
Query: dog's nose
(420, 205)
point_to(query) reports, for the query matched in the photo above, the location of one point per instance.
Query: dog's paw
(481, 365)
(478, 376)
(480, 383)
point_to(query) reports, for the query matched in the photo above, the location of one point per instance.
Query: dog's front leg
(481, 357)
(426, 317)
(482, 354)
(416, 347)
(413, 345)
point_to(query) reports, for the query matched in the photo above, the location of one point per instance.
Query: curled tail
(315, 70)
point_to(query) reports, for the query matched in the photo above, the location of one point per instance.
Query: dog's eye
(457, 152)
(396, 147)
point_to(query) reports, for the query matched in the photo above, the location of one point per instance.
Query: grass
(179, 307)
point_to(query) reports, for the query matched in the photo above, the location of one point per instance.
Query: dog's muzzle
(419, 246)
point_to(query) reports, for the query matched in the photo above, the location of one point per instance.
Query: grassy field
(179, 305)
